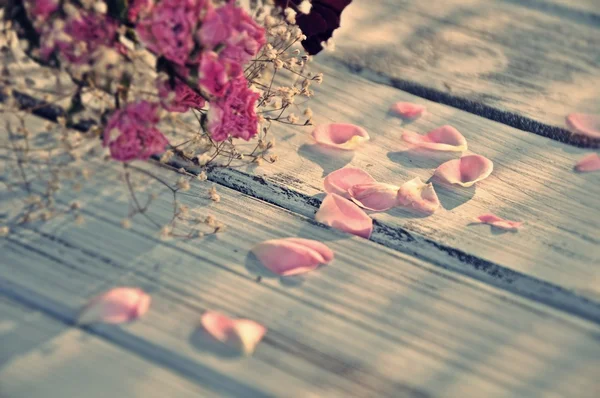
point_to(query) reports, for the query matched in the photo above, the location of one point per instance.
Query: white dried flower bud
(126, 223)
(71, 10)
(278, 64)
(292, 118)
(167, 156)
(214, 196)
(203, 159)
(210, 220)
(270, 21)
(318, 78)
(202, 176)
(305, 7)
(100, 7)
(183, 184)
(4, 231)
(308, 113)
(165, 231)
(290, 15)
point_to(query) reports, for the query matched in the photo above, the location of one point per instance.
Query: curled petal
(419, 196)
(118, 305)
(344, 215)
(588, 163)
(242, 334)
(340, 135)
(292, 256)
(584, 124)
(374, 196)
(340, 181)
(465, 171)
(408, 110)
(498, 222)
(445, 138)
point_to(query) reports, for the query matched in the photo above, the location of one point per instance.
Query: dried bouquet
(191, 80)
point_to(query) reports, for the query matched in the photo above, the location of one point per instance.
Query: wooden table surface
(428, 307)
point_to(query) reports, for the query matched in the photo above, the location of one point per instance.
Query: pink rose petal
(243, 334)
(340, 135)
(498, 222)
(118, 305)
(445, 138)
(292, 256)
(344, 215)
(584, 124)
(408, 110)
(374, 196)
(465, 171)
(419, 196)
(588, 163)
(340, 181)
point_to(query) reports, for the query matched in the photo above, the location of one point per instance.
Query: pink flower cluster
(131, 132)
(211, 44)
(81, 36)
(178, 97)
(168, 28)
(233, 113)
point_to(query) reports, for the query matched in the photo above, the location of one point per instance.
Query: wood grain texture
(42, 357)
(374, 323)
(533, 181)
(526, 64)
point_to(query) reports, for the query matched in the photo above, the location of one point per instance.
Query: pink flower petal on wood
(419, 196)
(374, 196)
(340, 135)
(465, 171)
(498, 222)
(242, 334)
(588, 163)
(292, 256)
(408, 110)
(340, 181)
(118, 305)
(344, 215)
(584, 124)
(445, 138)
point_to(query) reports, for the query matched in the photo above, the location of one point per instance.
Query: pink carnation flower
(169, 27)
(233, 28)
(138, 137)
(41, 9)
(81, 37)
(179, 98)
(138, 9)
(233, 113)
(216, 72)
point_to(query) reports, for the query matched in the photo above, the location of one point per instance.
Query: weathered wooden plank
(533, 181)
(552, 261)
(375, 322)
(505, 60)
(42, 357)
